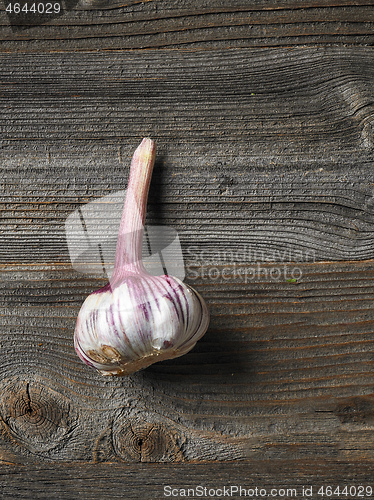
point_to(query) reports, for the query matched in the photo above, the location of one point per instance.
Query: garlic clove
(138, 319)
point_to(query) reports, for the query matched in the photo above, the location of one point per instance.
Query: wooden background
(263, 112)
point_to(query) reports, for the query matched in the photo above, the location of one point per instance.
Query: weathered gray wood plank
(303, 102)
(265, 156)
(192, 24)
(268, 151)
(279, 369)
(107, 482)
(285, 371)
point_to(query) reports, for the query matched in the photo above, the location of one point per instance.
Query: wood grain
(113, 481)
(263, 116)
(284, 372)
(92, 26)
(299, 103)
(277, 144)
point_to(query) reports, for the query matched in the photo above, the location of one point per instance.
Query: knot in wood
(356, 410)
(34, 415)
(136, 440)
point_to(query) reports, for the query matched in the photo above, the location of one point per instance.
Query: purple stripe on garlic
(138, 319)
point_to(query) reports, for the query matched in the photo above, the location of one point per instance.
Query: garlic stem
(129, 244)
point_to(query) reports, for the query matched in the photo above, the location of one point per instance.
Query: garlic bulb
(138, 319)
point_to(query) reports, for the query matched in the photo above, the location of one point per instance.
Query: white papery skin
(138, 319)
(144, 320)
